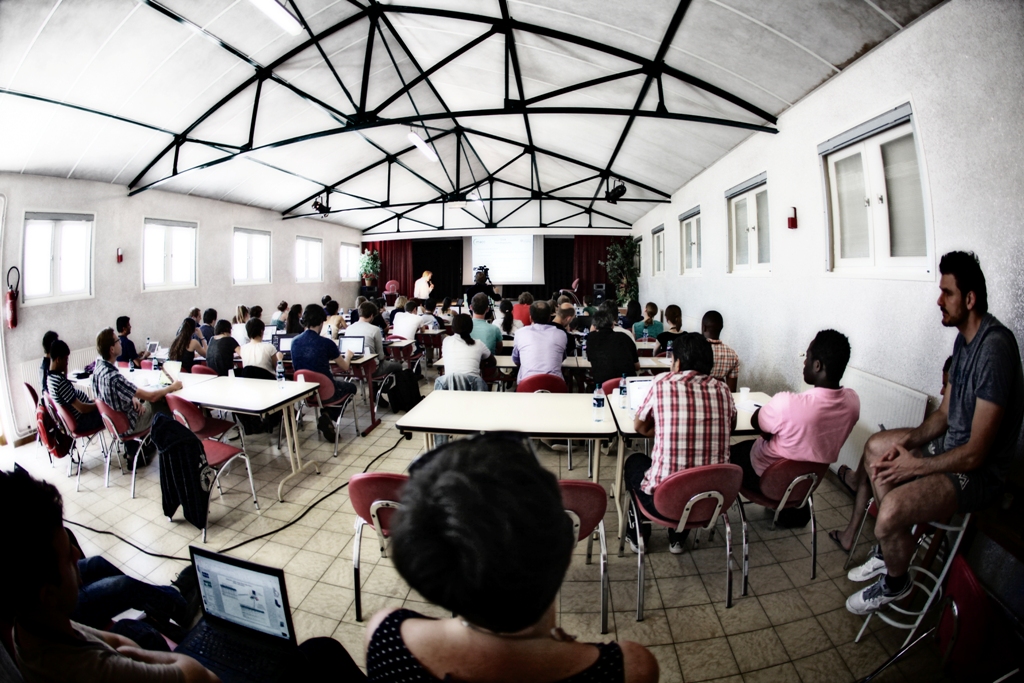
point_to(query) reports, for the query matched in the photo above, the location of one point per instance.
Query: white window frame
(749, 192)
(639, 258)
(692, 247)
(170, 227)
(867, 140)
(343, 272)
(658, 251)
(249, 280)
(302, 244)
(57, 220)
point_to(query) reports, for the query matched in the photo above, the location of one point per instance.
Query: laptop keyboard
(245, 658)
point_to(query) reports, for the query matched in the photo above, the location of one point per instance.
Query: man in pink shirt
(811, 426)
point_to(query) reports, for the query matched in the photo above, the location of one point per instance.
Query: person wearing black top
(481, 285)
(44, 368)
(220, 354)
(209, 320)
(611, 354)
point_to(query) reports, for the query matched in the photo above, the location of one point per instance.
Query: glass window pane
(38, 248)
(906, 205)
(182, 255)
(241, 269)
(687, 244)
(260, 257)
(315, 260)
(74, 256)
(153, 255)
(353, 262)
(697, 240)
(854, 239)
(740, 224)
(300, 259)
(764, 233)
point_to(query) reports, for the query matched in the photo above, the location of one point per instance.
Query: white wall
(117, 287)
(962, 68)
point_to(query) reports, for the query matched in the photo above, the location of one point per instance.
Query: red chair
(391, 292)
(32, 393)
(117, 424)
(375, 496)
(405, 354)
(789, 484)
(203, 370)
(542, 383)
(200, 424)
(71, 427)
(586, 502)
(323, 400)
(692, 499)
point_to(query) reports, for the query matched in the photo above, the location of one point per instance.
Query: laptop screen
(353, 344)
(243, 593)
(268, 333)
(637, 390)
(283, 342)
(152, 347)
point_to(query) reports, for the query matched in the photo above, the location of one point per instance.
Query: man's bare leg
(929, 499)
(877, 446)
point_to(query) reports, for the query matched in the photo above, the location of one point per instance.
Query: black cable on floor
(250, 540)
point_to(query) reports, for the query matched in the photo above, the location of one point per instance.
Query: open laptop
(152, 347)
(637, 389)
(268, 333)
(246, 632)
(170, 372)
(357, 345)
(283, 343)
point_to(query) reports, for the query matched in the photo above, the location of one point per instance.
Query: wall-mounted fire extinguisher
(11, 303)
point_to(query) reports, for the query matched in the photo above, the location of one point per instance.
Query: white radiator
(28, 373)
(881, 403)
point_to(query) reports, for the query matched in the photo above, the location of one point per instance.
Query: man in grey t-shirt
(980, 414)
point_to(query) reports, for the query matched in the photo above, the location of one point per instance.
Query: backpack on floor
(56, 441)
(405, 393)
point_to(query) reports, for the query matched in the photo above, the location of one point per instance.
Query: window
(168, 254)
(659, 250)
(252, 257)
(876, 200)
(57, 261)
(309, 260)
(689, 242)
(749, 233)
(348, 261)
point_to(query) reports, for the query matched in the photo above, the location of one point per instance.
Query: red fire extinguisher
(11, 304)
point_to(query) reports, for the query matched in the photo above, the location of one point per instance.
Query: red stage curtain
(395, 264)
(587, 251)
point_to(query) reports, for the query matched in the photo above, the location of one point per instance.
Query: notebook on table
(357, 345)
(246, 632)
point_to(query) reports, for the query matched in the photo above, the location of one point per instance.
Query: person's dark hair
(526, 298)
(563, 299)
(713, 323)
(602, 320)
(446, 304)
(29, 544)
(180, 344)
(222, 327)
(283, 306)
(381, 303)
(693, 352)
(429, 305)
(650, 310)
(832, 349)
(367, 309)
(482, 531)
(209, 316)
(411, 306)
(193, 313)
(360, 300)
(254, 328)
(462, 325)
(122, 323)
(324, 299)
(255, 312)
(966, 270)
(48, 339)
(59, 349)
(480, 303)
(312, 316)
(674, 316)
(332, 307)
(507, 321)
(633, 313)
(945, 366)
(105, 341)
(540, 312)
(293, 325)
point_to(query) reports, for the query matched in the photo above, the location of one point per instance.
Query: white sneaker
(874, 597)
(870, 569)
(676, 548)
(632, 545)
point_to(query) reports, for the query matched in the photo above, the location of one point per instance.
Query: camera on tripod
(485, 270)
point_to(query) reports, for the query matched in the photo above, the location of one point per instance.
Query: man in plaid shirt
(690, 415)
(727, 364)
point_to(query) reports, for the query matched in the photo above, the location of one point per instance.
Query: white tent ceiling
(537, 106)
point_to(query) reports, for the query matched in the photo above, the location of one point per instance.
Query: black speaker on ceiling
(599, 293)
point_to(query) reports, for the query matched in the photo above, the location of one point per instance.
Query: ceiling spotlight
(323, 207)
(613, 195)
(422, 146)
(280, 15)
(474, 197)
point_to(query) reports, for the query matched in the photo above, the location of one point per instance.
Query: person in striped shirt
(690, 415)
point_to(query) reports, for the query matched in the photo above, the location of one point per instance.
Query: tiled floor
(790, 628)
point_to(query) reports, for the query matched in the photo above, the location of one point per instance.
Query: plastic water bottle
(280, 374)
(598, 405)
(623, 398)
(584, 347)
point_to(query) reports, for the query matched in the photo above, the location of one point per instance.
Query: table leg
(368, 379)
(595, 450)
(617, 484)
(294, 454)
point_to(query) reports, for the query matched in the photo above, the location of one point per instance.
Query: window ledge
(758, 272)
(874, 273)
(690, 273)
(43, 301)
(246, 283)
(167, 288)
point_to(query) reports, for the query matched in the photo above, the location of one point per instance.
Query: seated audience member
(111, 387)
(634, 314)
(220, 354)
(463, 354)
(980, 416)
(378, 320)
(410, 322)
(280, 315)
(690, 415)
(185, 347)
(52, 645)
(197, 318)
(310, 351)
(292, 324)
(324, 300)
(648, 327)
(128, 353)
(507, 323)
(207, 328)
(481, 286)
(258, 352)
(482, 532)
(564, 315)
(428, 311)
(334, 320)
(241, 316)
(674, 318)
(588, 305)
(256, 312)
(374, 341)
(354, 313)
(563, 299)
(64, 393)
(446, 310)
(613, 311)
(539, 348)
(811, 426)
(44, 367)
(727, 363)
(611, 355)
(483, 330)
(521, 310)
(400, 303)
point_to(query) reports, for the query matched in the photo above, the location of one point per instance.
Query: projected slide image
(509, 257)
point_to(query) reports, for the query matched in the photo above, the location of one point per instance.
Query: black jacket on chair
(185, 477)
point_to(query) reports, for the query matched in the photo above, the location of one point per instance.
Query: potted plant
(369, 266)
(623, 269)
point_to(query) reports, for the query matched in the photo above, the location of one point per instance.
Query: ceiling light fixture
(614, 194)
(280, 15)
(422, 146)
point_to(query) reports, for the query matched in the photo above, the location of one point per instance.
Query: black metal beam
(323, 55)
(364, 85)
(582, 85)
(98, 112)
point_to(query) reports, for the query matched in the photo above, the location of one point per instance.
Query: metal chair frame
(70, 425)
(119, 439)
(807, 500)
(605, 577)
(342, 403)
(381, 539)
